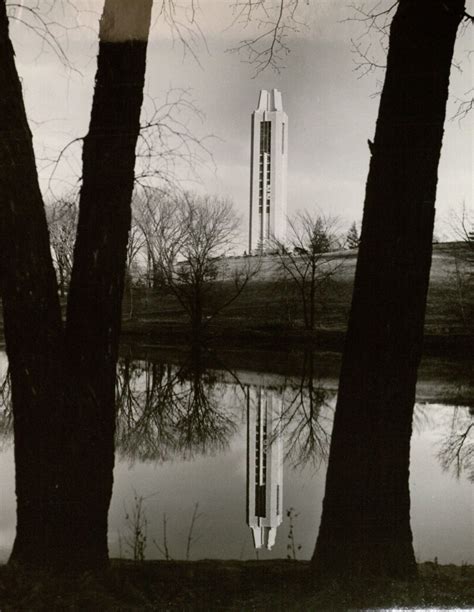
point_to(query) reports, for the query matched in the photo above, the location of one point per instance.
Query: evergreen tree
(353, 238)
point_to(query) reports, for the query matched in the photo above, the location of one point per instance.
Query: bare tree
(135, 246)
(156, 213)
(188, 239)
(62, 223)
(307, 259)
(461, 223)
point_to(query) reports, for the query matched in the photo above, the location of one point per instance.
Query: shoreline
(277, 337)
(446, 372)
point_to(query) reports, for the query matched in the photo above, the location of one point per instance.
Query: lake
(221, 462)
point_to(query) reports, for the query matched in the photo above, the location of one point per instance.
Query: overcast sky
(331, 110)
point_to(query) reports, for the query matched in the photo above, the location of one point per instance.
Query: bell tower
(268, 172)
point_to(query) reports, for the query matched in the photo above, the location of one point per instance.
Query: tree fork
(63, 383)
(365, 525)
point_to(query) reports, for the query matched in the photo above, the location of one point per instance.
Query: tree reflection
(456, 452)
(6, 415)
(166, 410)
(306, 418)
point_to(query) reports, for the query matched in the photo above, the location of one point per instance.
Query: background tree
(305, 260)
(189, 238)
(156, 213)
(135, 246)
(462, 281)
(63, 377)
(461, 224)
(365, 526)
(61, 216)
(353, 239)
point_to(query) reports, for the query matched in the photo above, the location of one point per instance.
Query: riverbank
(229, 585)
(442, 379)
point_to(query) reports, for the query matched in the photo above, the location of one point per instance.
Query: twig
(191, 539)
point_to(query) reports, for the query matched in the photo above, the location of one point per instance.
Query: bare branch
(275, 22)
(464, 106)
(51, 21)
(169, 150)
(184, 26)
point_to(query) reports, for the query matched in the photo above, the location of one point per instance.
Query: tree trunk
(365, 526)
(97, 280)
(63, 383)
(312, 296)
(32, 319)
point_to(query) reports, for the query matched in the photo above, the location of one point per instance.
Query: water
(201, 451)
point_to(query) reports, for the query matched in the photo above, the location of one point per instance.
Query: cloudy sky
(331, 109)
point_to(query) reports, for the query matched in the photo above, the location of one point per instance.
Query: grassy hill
(270, 308)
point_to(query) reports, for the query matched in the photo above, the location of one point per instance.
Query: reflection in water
(456, 451)
(166, 411)
(6, 414)
(264, 465)
(307, 416)
(299, 417)
(176, 412)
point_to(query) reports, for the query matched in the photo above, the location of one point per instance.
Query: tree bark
(32, 318)
(63, 381)
(365, 526)
(97, 280)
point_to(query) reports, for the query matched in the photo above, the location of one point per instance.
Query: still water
(221, 463)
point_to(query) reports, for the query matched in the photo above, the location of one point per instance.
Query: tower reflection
(264, 465)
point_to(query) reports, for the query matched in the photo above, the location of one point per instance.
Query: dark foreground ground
(230, 585)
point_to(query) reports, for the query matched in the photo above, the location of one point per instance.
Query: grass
(228, 585)
(268, 313)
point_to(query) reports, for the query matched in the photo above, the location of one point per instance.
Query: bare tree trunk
(312, 299)
(97, 281)
(63, 384)
(32, 319)
(196, 313)
(365, 527)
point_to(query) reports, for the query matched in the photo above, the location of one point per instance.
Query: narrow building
(264, 466)
(268, 172)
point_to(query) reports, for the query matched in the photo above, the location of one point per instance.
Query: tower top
(270, 100)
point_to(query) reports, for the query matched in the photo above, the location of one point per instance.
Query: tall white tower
(268, 171)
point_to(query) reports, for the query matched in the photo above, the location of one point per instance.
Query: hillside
(270, 308)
